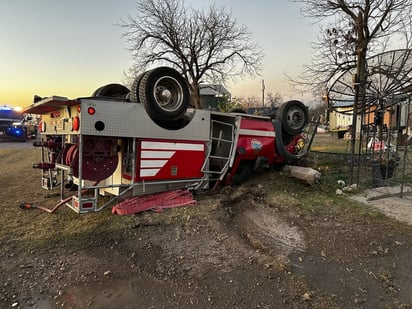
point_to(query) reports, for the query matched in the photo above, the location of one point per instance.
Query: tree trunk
(196, 95)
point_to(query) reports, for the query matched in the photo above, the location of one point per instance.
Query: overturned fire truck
(122, 143)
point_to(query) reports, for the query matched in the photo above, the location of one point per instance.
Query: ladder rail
(212, 157)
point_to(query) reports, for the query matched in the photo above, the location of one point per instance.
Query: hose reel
(99, 158)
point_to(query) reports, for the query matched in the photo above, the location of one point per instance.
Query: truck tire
(238, 111)
(281, 143)
(134, 91)
(112, 91)
(293, 115)
(164, 93)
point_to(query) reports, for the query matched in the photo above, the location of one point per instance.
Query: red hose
(29, 206)
(57, 205)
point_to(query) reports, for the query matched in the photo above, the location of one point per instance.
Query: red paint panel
(256, 139)
(165, 159)
(253, 147)
(256, 124)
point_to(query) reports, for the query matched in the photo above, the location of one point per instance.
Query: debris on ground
(305, 174)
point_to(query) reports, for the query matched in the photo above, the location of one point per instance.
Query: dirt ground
(260, 245)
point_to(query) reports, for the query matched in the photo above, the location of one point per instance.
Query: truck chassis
(108, 145)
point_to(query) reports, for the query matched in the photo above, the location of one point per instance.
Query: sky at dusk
(70, 48)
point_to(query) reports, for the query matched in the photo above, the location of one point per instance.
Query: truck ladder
(221, 150)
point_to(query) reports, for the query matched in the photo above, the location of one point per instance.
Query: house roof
(213, 90)
(345, 103)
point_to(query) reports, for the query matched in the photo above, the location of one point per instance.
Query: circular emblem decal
(256, 145)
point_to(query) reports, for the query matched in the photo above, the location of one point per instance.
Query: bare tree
(356, 30)
(252, 101)
(202, 45)
(274, 99)
(351, 30)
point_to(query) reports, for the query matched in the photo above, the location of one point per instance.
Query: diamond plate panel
(124, 119)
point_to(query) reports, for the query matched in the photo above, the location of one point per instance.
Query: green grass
(38, 230)
(326, 143)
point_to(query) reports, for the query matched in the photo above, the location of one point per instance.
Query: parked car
(14, 125)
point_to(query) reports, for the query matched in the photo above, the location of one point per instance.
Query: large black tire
(164, 93)
(134, 91)
(238, 111)
(112, 91)
(293, 115)
(176, 124)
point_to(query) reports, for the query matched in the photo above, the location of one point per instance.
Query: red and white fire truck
(123, 143)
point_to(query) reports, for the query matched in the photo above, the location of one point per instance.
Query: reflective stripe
(257, 133)
(149, 172)
(171, 146)
(146, 154)
(152, 163)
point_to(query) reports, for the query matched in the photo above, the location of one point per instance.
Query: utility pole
(358, 102)
(263, 92)
(359, 84)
